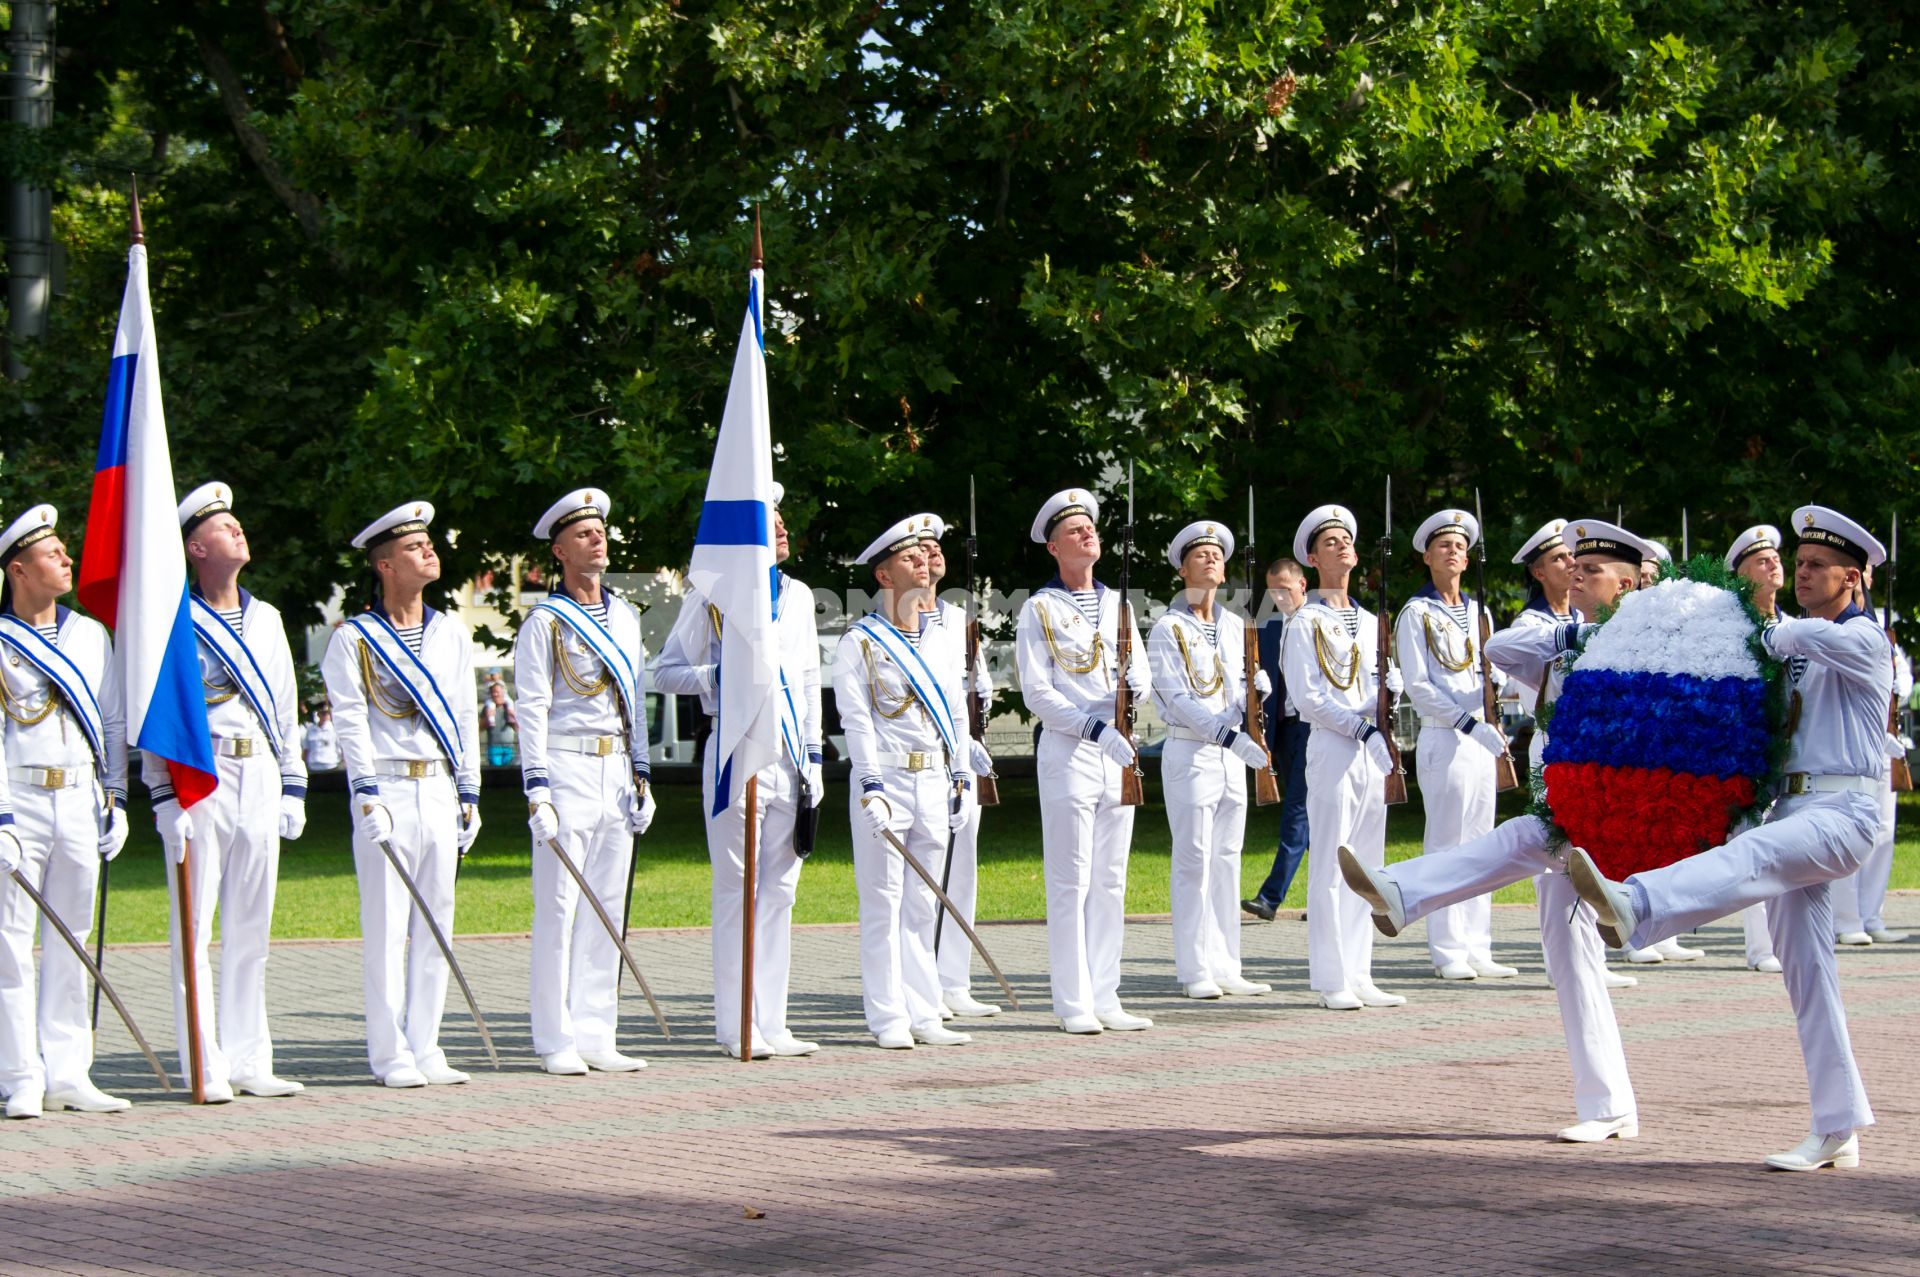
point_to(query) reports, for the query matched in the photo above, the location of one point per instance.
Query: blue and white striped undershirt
(49, 632)
(414, 636)
(1349, 617)
(1458, 611)
(1088, 601)
(231, 615)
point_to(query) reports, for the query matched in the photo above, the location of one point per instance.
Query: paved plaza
(1245, 1136)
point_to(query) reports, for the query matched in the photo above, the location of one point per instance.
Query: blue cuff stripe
(366, 787)
(6, 818)
(469, 795)
(288, 790)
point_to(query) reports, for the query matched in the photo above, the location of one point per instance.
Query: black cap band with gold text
(1064, 513)
(573, 517)
(1607, 548)
(1824, 536)
(406, 527)
(40, 533)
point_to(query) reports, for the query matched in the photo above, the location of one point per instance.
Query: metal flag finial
(759, 258)
(136, 230)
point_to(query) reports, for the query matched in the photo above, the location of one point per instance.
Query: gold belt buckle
(243, 747)
(419, 768)
(1798, 783)
(917, 761)
(53, 778)
(602, 746)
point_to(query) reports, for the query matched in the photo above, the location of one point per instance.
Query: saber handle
(446, 950)
(606, 920)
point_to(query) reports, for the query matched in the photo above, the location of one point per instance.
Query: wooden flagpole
(746, 919)
(190, 971)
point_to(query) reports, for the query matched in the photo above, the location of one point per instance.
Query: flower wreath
(1670, 728)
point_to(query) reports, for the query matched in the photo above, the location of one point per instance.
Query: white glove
(877, 811)
(1262, 684)
(374, 822)
(293, 817)
(469, 825)
(816, 783)
(1488, 737)
(175, 827)
(1376, 746)
(979, 761)
(960, 800)
(543, 822)
(640, 814)
(1114, 744)
(1138, 684)
(11, 852)
(1395, 684)
(1249, 751)
(115, 836)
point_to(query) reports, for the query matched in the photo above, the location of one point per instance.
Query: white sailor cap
(578, 504)
(1657, 552)
(1761, 536)
(35, 525)
(1608, 541)
(1823, 526)
(1327, 516)
(1549, 537)
(929, 527)
(1195, 535)
(779, 493)
(1456, 521)
(202, 504)
(402, 520)
(904, 535)
(1062, 506)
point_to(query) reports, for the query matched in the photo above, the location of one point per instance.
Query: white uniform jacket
(891, 708)
(1536, 614)
(1199, 686)
(375, 716)
(1067, 667)
(41, 730)
(1333, 677)
(1842, 674)
(1441, 665)
(691, 655)
(562, 688)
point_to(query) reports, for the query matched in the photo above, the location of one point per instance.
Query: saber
(99, 979)
(1686, 543)
(914, 864)
(606, 920)
(446, 950)
(100, 939)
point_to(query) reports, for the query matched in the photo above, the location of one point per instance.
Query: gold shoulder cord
(376, 697)
(1095, 654)
(900, 706)
(1200, 687)
(1448, 661)
(1328, 661)
(21, 717)
(563, 669)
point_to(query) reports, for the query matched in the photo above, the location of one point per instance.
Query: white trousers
(1859, 898)
(405, 973)
(1206, 789)
(1806, 842)
(234, 870)
(776, 879)
(576, 965)
(899, 983)
(1346, 807)
(954, 956)
(1456, 785)
(1085, 838)
(1759, 936)
(46, 1038)
(1514, 850)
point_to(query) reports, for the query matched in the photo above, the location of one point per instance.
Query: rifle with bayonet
(1266, 786)
(986, 789)
(1132, 779)
(1383, 704)
(1900, 775)
(1505, 775)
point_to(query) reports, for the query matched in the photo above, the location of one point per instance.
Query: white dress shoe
(85, 1097)
(1203, 990)
(1488, 969)
(1374, 996)
(267, 1086)
(404, 1076)
(1080, 1024)
(1121, 1021)
(758, 1051)
(1344, 1000)
(1240, 987)
(895, 1040)
(1596, 1129)
(1456, 971)
(564, 1064)
(1643, 957)
(787, 1044)
(1853, 938)
(444, 1074)
(26, 1102)
(1610, 901)
(939, 1035)
(1842, 1152)
(946, 1012)
(612, 1062)
(1880, 935)
(1770, 965)
(1673, 951)
(1380, 891)
(966, 1004)
(216, 1093)
(1614, 980)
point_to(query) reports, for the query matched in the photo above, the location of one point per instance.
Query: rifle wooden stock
(1132, 791)
(1266, 786)
(1505, 776)
(986, 789)
(1899, 773)
(1383, 705)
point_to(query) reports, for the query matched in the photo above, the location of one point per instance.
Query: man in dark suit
(1286, 738)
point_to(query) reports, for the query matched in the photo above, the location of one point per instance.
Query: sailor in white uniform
(1755, 555)
(1068, 653)
(1822, 824)
(1606, 565)
(909, 775)
(1333, 669)
(580, 673)
(62, 810)
(246, 672)
(948, 634)
(400, 677)
(689, 665)
(1438, 640)
(1198, 654)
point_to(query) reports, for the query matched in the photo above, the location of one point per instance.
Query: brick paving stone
(1240, 1136)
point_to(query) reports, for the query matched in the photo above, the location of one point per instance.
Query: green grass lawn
(318, 896)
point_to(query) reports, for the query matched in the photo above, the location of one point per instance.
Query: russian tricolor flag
(133, 573)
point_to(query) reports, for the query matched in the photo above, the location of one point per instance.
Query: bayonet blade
(1250, 518)
(1129, 491)
(1686, 542)
(1388, 523)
